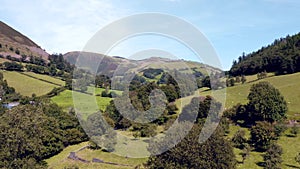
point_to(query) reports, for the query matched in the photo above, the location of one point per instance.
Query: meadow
(60, 160)
(288, 85)
(290, 146)
(26, 85)
(86, 103)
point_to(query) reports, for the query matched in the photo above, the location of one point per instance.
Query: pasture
(26, 85)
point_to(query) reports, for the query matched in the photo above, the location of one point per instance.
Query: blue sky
(232, 27)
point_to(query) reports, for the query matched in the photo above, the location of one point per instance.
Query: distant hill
(15, 44)
(281, 57)
(110, 64)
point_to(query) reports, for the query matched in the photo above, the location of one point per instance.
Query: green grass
(55, 160)
(26, 85)
(288, 85)
(60, 160)
(85, 103)
(46, 78)
(290, 146)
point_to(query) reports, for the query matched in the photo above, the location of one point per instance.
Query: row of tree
(281, 57)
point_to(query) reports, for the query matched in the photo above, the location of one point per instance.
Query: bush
(272, 157)
(13, 66)
(262, 135)
(239, 139)
(106, 94)
(295, 130)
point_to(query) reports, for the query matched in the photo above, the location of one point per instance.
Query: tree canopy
(266, 103)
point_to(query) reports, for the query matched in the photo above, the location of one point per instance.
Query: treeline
(56, 66)
(281, 57)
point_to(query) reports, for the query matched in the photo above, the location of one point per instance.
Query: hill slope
(110, 64)
(288, 85)
(282, 57)
(15, 44)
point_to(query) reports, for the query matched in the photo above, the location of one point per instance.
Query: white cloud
(61, 26)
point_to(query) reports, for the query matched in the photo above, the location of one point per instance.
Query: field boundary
(40, 79)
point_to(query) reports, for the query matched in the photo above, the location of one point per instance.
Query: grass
(290, 146)
(288, 85)
(46, 78)
(64, 154)
(2, 60)
(26, 85)
(86, 103)
(60, 160)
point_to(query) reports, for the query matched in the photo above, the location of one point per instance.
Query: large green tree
(266, 103)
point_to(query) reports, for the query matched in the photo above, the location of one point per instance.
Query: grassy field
(290, 146)
(288, 85)
(46, 78)
(26, 85)
(88, 102)
(60, 160)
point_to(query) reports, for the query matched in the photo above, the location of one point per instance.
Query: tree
(206, 82)
(170, 92)
(262, 135)
(27, 137)
(243, 79)
(294, 130)
(14, 66)
(231, 82)
(52, 70)
(266, 103)
(272, 157)
(237, 79)
(216, 152)
(239, 139)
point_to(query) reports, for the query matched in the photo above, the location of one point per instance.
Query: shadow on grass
(290, 135)
(261, 164)
(292, 166)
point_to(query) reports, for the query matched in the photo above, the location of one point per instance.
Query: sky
(231, 27)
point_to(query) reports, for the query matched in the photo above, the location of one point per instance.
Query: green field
(60, 160)
(288, 85)
(290, 146)
(86, 103)
(27, 85)
(45, 78)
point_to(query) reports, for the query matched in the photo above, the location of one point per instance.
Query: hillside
(16, 44)
(27, 83)
(281, 57)
(110, 64)
(288, 85)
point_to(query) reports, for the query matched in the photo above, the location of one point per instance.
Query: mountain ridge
(16, 44)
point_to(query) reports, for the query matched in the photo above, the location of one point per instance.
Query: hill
(288, 85)
(110, 64)
(281, 57)
(16, 44)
